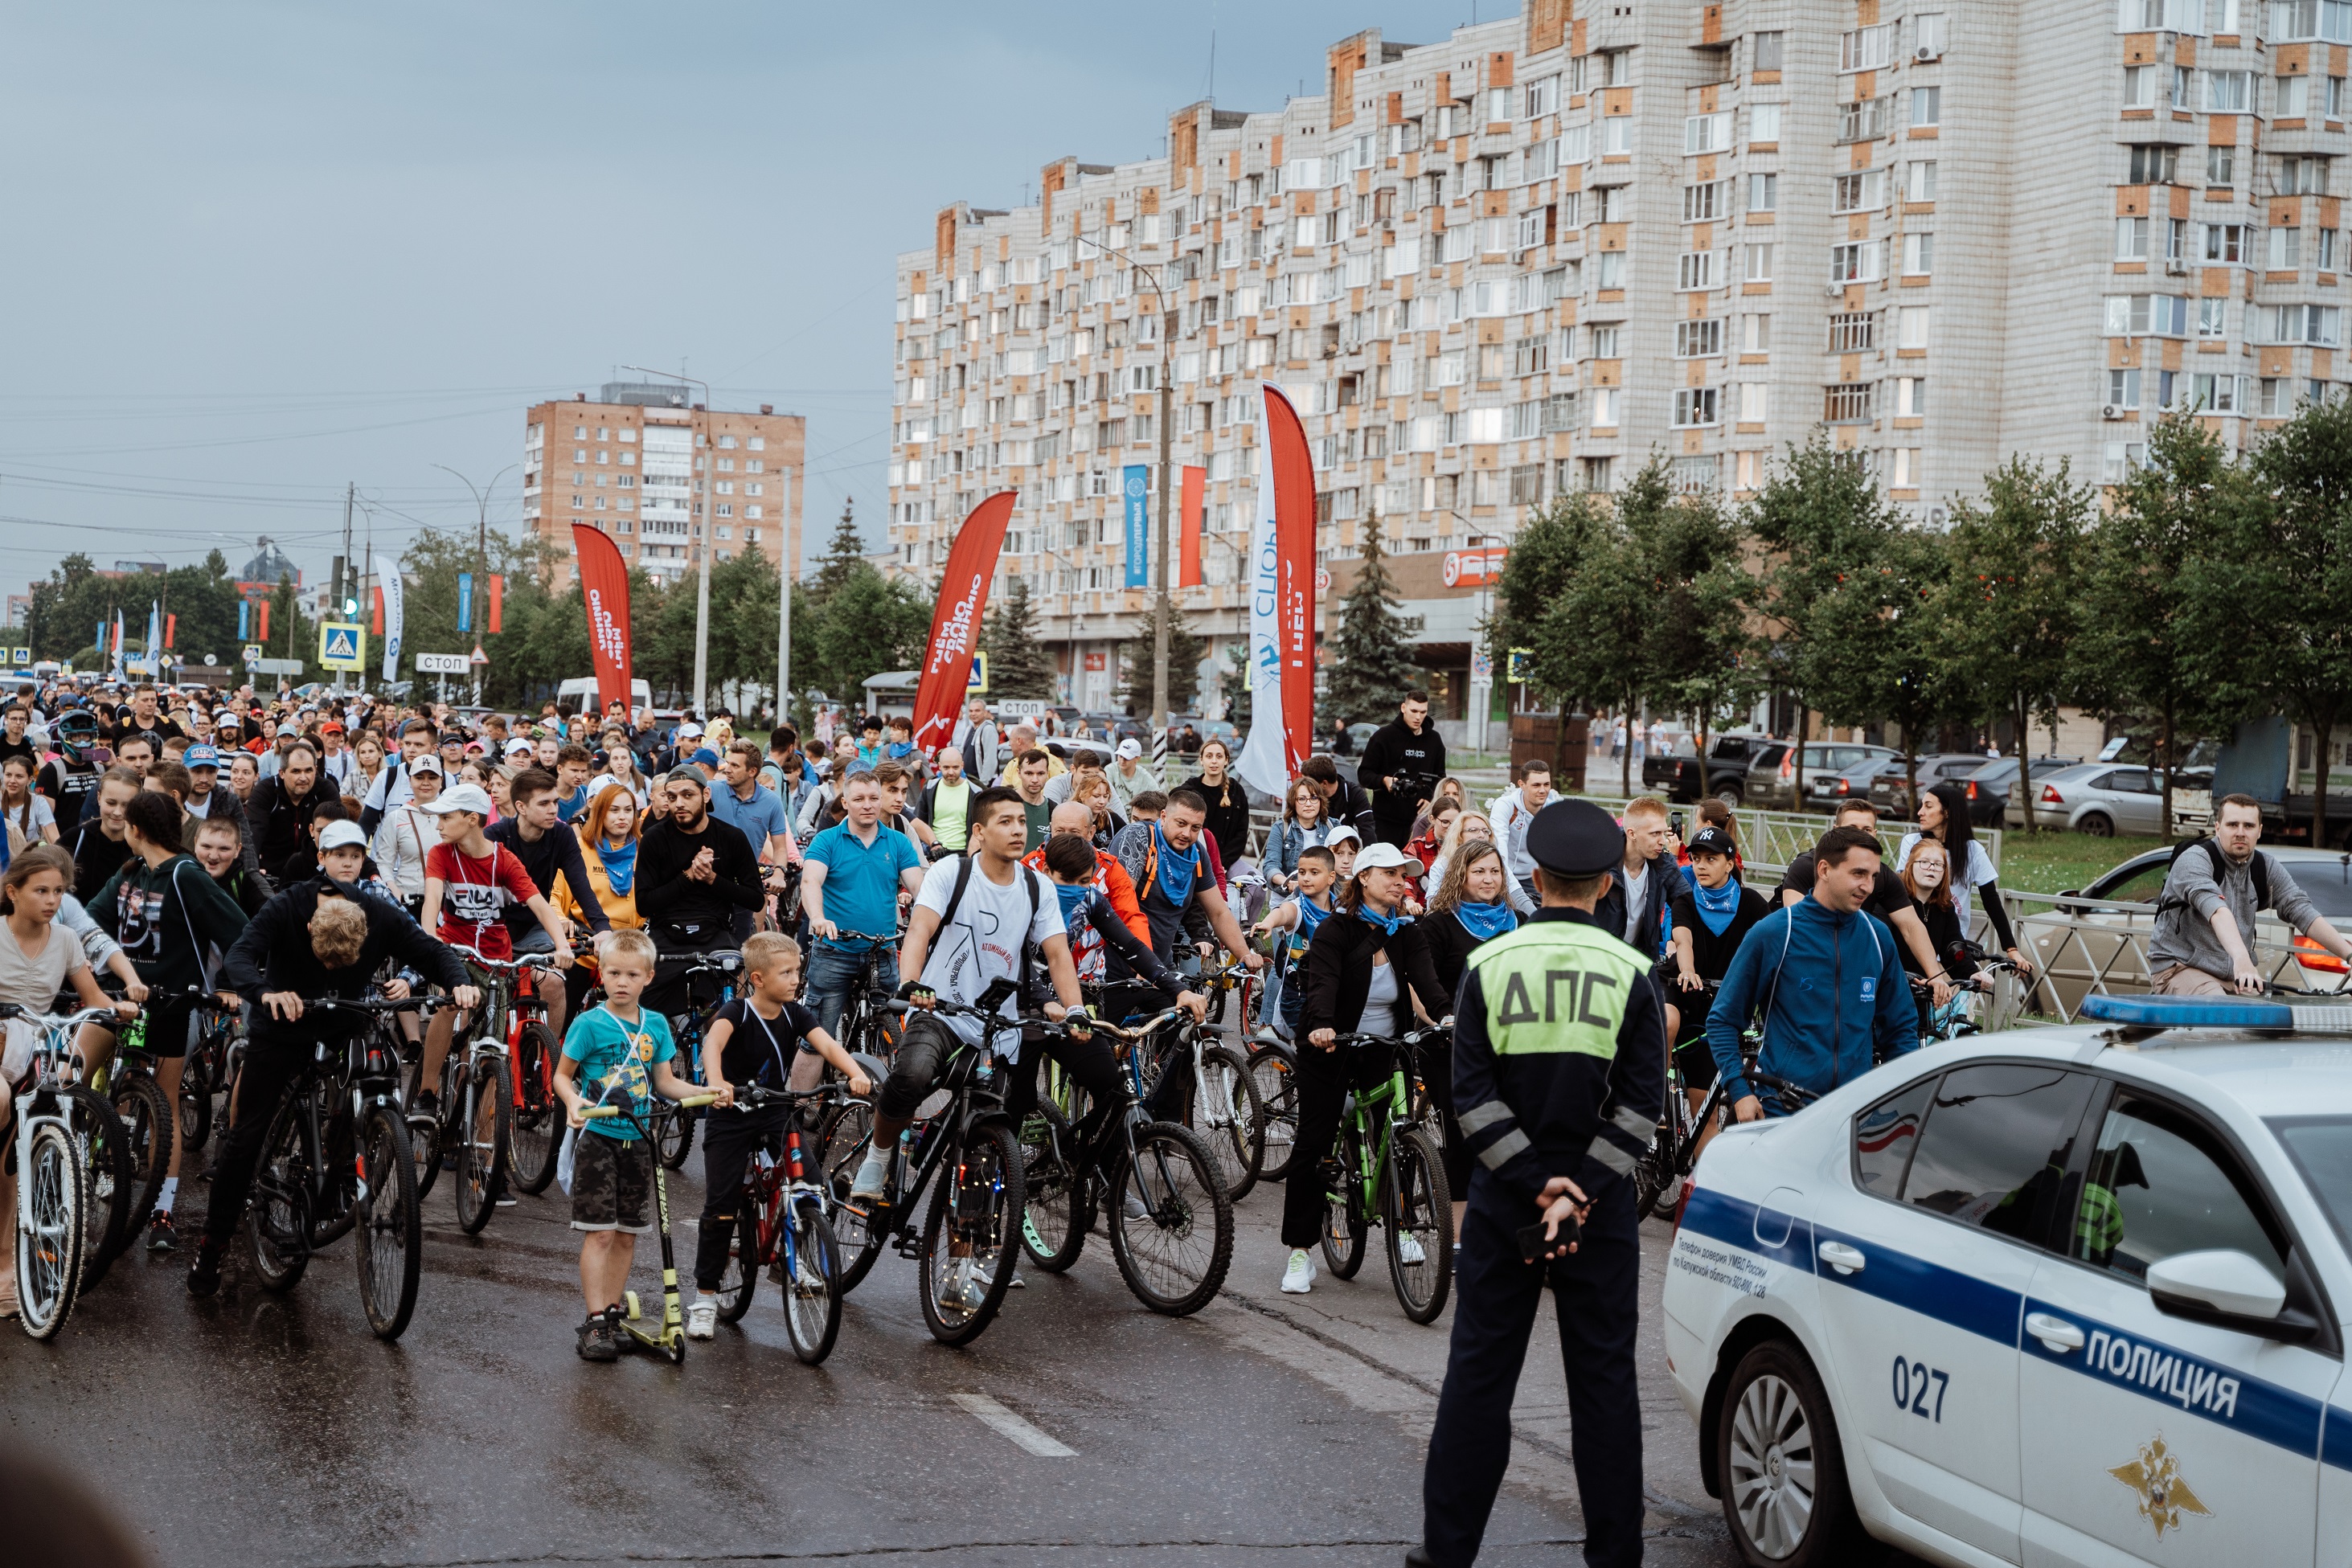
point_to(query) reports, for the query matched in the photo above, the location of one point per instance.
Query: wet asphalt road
(257, 1429)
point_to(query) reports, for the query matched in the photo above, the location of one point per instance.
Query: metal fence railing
(2086, 946)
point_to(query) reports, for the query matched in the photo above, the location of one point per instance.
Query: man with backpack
(2205, 917)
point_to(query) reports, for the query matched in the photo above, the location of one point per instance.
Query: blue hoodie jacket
(1840, 991)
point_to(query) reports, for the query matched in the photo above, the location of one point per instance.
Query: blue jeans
(833, 974)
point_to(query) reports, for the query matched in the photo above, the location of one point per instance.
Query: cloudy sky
(255, 251)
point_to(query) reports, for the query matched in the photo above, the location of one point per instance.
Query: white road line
(1014, 1428)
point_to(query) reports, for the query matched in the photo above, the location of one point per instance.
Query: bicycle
(1951, 1019)
(213, 1057)
(674, 1137)
(126, 1081)
(974, 1217)
(1386, 1163)
(475, 1115)
(781, 1224)
(670, 1337)
(335, 1159)
(866, 1023)
(1222, 1107)
(55, 1209)
(1151, 1180)
(1674, 1150)
(1274, 1070)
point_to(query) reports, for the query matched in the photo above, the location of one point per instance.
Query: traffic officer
(1560, 1074)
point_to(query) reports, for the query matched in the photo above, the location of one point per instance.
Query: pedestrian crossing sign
(343, 645)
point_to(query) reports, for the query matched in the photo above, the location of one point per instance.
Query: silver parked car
(1772, 780)
(2101, 799)
(1892, 789)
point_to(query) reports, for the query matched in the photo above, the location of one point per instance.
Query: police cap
(1575, 838)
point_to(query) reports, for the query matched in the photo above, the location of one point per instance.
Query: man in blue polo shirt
(851, 880)
(742, 802)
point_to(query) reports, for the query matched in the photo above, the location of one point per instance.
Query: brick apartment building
(634, 464)
(1522, 259)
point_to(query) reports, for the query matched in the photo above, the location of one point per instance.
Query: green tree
(1018, 666)
(2012, 602)
(869, 624)
(1234, 685)
(1185, 653)
(1368, 663)
(1697, 644)
(1882, 645)
(845, 552)
(1575, 595)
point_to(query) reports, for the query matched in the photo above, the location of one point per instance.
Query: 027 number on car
(1920, 1388)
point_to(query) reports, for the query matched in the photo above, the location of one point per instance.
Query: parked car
(1676, 775)
(2094, 797)
(1773, 780)
(1988, 786)
(1828, 790)
(1892, 789)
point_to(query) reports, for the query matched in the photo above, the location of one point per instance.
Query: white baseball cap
(427, 762)
(520, 746)
(690, 730)
(1375, 856)
(1131, 748)
(1343, 834)
(460, 797)
(342, 836)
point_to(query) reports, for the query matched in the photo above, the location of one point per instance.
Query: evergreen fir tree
(1018, 665)
(1234, 683)
(844, 554)
(1184, 655)
(1369, 660)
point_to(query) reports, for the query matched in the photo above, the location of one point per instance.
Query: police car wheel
(1780, 1464)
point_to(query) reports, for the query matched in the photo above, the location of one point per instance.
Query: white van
(575, 697)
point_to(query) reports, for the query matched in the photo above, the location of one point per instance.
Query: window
(1755, 334)
(1934, 32)
(1862, 121)
(1704, 203)
(1527, 419)
(2123, 388)
(1918, 254)
(1753, 398)
(1707, 132)
(1867, 49)
(1855, 192)
(1760, 263)
(1985, 1155)
(1604, 343)
(2290, 97)
(1543, 97)
(2219, 162)
(1852, 332)
(1763, 193)
(1695, 270)
(1617, 68)
(1692, 475)
(2312, 324)
(1854, 263)
(1617, 134)
(2153, 165)
(1910, 397)
(2131, 239)
(2329, 249)
(1847, 403)
(1912, 328)
(2212, 318)
(1560, 412)
(2183, 87)
(2225, 241)
(2227, 92)
(1768, 51)
(2300, 176)
(1697, 339)
(1919, 181)
(1764, 124)
(2334, 98)
(2285, 249)
(1693, 406)
(1605, 409)
(1903, 473)
(1927, 107)
(2160, 1184)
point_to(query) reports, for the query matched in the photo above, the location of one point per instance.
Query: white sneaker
(963, 1291)
(873, 1175)
(1134, 1209)
(1409, 1250)
(702, 1319)
(1299, 1277)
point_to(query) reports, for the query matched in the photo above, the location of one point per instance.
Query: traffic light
(350, 607)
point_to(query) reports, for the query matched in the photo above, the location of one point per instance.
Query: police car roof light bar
(2192, 1012)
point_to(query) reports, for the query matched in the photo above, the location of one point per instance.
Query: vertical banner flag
(955, 624)
(604, 588)
(171, 630)
(390, 615)
(243, 619)
(155, 638)
(1189, 508)
(1132, 485)
(497, 598)
(465, 599)
(1281, 580)
(261, 612)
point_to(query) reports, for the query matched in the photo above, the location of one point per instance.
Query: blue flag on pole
(465, 601)
(244, 619)
(1135, 481)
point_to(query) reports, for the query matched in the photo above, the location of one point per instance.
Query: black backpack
(1029, 876)
(2261, 868)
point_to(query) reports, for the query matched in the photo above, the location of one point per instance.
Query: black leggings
(270, 1067)
(1089, 1062)
(729, 1139)
(926, 1045)
(1324, 1077)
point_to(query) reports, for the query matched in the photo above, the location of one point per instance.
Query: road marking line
(1013, 1428)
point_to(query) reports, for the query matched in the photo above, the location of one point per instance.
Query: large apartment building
(1524, 259)
(642, 463)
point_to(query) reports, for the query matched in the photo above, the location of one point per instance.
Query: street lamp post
(1165, 604)
(705, 536)
(481, 542)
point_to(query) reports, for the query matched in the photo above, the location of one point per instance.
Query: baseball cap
(518, 745)
(1131, 748)
(686, 776)
(1378, 855)
(428, 763)
(1343, 834)
(1711, 842)
(461, 798)
(342, 836)
(288, 730)
(331, 727)
(200, 756)
(705, 755)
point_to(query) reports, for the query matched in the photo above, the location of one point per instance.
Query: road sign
(1517, 671)
(20, 655)
(252, 652)
(275, 666)
(1022, 708)
(442, 663)
(976, 683)
(478, 657)
(343, 645)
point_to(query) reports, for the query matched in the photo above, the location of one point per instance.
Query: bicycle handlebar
(515, 965)
(57, 1020)
(691, 1102)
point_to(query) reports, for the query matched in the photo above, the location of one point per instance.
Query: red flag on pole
(499, 592)
(604, 588)
(955, 624)
(1294, 533)
(375, 624)
(1190, 510)
(261, 632)
(171, 630)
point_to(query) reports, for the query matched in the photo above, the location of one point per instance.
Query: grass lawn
(2052, 863)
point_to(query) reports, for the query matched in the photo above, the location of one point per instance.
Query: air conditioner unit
(2113, 410)
(1926, 54)
(1833, 291)
(2176, 269)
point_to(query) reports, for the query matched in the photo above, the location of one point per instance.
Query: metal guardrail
(2089, 947)
(1775, 837)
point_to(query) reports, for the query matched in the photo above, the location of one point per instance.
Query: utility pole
(1164, 603)
(787, 568)
(481, 546)
(347, 571)
(704, 533)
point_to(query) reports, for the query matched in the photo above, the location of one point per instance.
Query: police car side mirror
(2222, 1283)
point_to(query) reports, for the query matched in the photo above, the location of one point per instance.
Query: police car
(2072, 1295)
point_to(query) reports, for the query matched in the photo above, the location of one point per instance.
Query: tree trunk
(1911, 774)
(1559, 746)
(2323, 730)
(1804, 722)
(1705, 782)
(2026, 762)
(1626, 759)
(2164, 760)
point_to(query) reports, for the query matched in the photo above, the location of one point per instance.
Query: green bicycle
(1385, 1164)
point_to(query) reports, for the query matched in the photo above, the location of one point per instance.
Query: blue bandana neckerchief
(620, 866)
(1175, 880)
(1073, 896)
(1485, 921)
(1717, 906)
(1389, 924)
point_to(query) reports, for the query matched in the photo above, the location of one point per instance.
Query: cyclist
(758, 812)
(1226, 800)
(1927, 878)
(1713, 914)
(1401, 764)
(2205, 916)
(1301, 826)
(1640, 891)
(216, 848)
(693, 874)
(1307, 908)
(945, 804)
(1851, 1004)
(98, 846)
(547, 849)
(281, 805)
(1944, 819)
(168, 915)
(852, 877)
(1363, 961)
(1175, 881)
(1887, 901)
(319, 938)
(392, 785)
(405, 833)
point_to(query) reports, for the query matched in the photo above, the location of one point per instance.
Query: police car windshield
(2321, 1147)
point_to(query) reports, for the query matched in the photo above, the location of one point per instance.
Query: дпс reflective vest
(1553, 987)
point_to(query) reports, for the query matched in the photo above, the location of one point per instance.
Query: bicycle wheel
(535, 1129)
(196, 1099)
(49, 1250)
(1060, 1207)
(1344, 1221)
(487, 1124)
(390, 1230)
(847, 1133)
(742, 1276)
(1654, 1173)
(969, 1237)
(278, 1220)
(145, 1112)
(110, 1183)
(1415, 1207)
(812, 1283)
(425, 1133)
(1228, 1117)
(1174, 1253)
(1275, 1072)
(673, 1137)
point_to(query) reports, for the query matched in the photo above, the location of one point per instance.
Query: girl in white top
(1943, 814)
(409, 830)
(30, 820)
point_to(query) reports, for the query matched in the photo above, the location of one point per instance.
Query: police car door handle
(2056, 1333)
(1846, 1259)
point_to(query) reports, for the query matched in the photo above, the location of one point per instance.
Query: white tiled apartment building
(1524, 258)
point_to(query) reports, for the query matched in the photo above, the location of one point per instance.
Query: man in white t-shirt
(978, 919)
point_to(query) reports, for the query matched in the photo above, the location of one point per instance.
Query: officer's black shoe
(204, 1274)
(1419, 1557)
